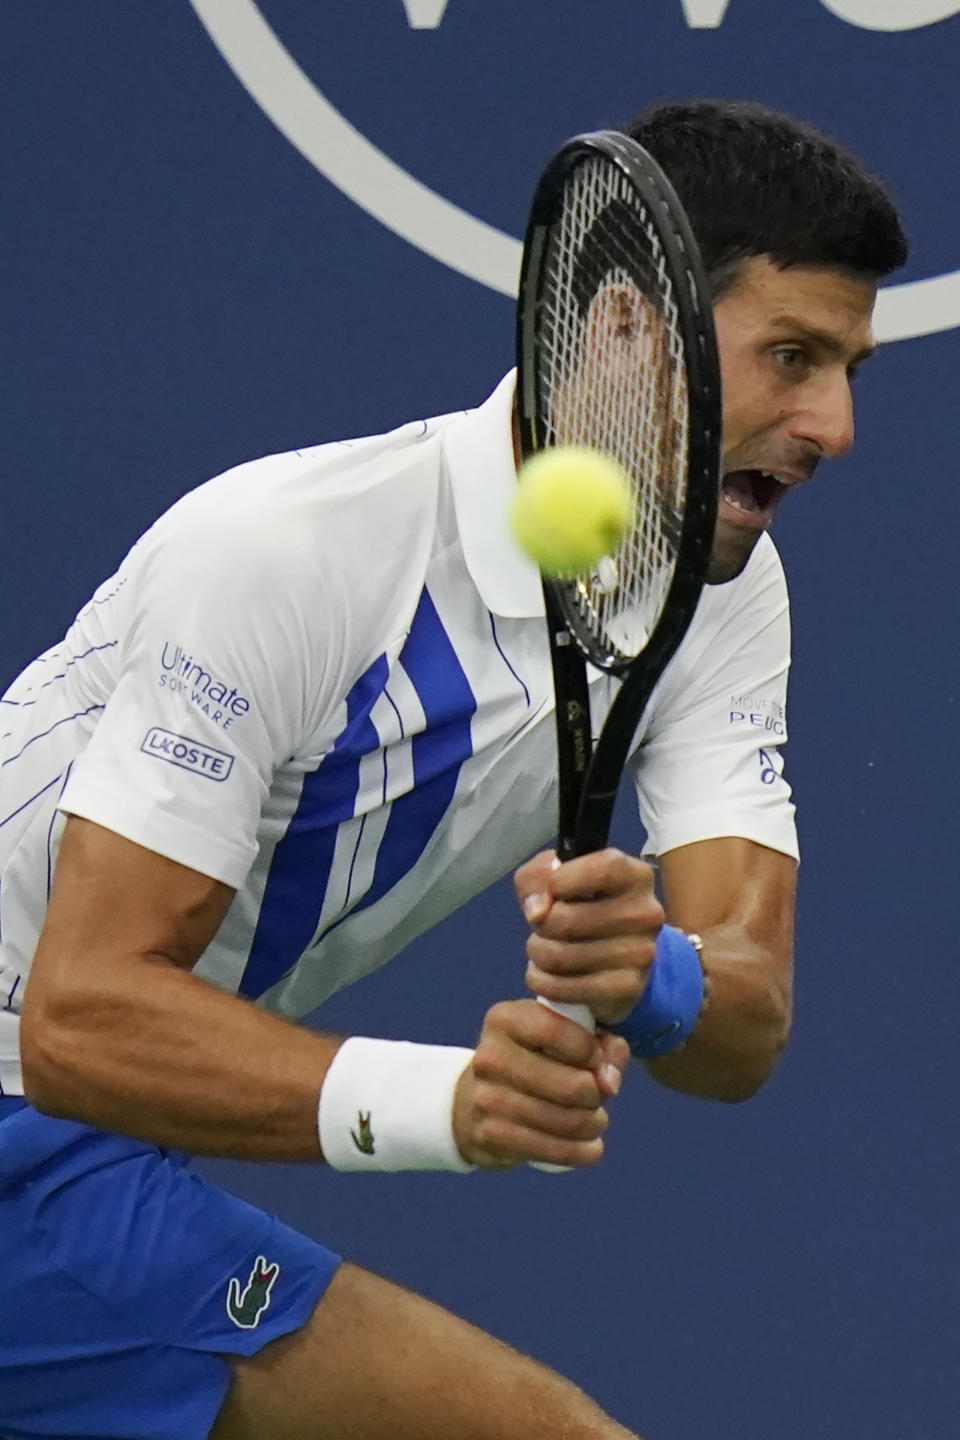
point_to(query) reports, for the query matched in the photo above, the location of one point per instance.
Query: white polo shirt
(323, 678)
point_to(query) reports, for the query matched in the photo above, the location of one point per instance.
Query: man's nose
(827, 419)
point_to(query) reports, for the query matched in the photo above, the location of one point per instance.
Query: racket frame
(589, 776)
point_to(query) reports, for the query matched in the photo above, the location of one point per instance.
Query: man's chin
(732, 548)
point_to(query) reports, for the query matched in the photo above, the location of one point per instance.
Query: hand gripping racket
(616, 350)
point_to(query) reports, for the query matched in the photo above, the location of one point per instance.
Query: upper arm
(113, 903)
(219, 681)
(710, 765)
(116, 1033)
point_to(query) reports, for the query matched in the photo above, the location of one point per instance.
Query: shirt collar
(480, 464)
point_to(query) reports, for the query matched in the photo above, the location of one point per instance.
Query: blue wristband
(670, 1006)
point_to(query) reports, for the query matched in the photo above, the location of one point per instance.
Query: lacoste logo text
(247, 1305)
(364, 1141)
(188, 754)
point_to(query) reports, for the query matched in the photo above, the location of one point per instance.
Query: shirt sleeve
(710, 762)
(214, 667)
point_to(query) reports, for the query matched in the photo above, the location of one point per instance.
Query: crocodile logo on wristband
(364, 1141)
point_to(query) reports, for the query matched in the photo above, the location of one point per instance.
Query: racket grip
(583, 1016)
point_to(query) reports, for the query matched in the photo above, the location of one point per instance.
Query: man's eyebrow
(823, 338)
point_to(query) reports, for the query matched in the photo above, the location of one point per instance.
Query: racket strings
(613, 377)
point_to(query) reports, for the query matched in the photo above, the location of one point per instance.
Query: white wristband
(388, 1105)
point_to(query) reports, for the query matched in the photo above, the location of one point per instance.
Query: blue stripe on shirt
(300, 868)
(300, 871)
(439, 751)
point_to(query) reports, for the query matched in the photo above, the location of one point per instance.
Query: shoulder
(739, 636)
(290, 574)
(755, 599)
(333, 499)
(310, 530)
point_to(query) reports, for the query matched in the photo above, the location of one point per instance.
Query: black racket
(616, 350)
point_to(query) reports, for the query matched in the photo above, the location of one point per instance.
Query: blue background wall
(183, 289)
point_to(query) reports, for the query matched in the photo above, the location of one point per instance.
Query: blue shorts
(124, 1281)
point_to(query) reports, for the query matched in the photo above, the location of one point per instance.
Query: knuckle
(625, 985)
(549, 952)
(483, 1096)
(656, 916)
(490, 1132)
(537, 948)
(643, 948)
(524, 871)
(619, 863)
(624, 872)
(487, 1068)
(572, 1045)
(552, 1029)
(500, 1016)
(562, 921)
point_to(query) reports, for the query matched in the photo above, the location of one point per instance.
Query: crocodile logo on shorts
(364, 1141)
(247, 1305)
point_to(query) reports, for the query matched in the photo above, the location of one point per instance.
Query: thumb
(532, 886)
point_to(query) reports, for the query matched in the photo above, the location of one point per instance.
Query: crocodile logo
(364, 1141)
(247, 1305)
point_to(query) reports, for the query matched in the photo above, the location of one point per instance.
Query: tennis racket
(616, 350)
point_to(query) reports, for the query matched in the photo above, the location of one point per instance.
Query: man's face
(790, 341)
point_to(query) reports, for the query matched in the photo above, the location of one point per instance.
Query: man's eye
(790, 357)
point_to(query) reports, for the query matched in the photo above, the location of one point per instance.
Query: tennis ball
(572, 505)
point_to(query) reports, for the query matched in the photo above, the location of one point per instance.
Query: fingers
(614, 1059)
(541, 1053)
(590, 957)
(595, 925)
(532, 885)
(592, 897)
(535, 1090)
(601, 917)
(610, 992)
(599, 872)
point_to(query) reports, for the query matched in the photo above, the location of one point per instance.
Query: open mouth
(753, 494)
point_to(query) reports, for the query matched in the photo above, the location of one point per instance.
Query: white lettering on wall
(424, 14)
(892, 14)
(704, 14)
(454, 237)
(709, 14)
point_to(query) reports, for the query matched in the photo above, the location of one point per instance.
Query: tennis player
(261, 761)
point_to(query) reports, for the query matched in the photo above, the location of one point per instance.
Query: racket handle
(583, 1016)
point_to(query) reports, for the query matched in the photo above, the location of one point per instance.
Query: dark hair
(756, 182)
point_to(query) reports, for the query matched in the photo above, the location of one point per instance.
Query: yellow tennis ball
(572, 505)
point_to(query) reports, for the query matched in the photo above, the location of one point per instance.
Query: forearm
(744, 1025)
(148, 1049)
